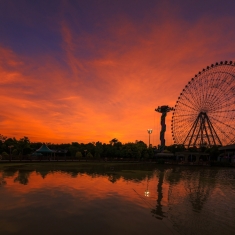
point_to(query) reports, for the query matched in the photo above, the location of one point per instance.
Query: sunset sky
(94, 70)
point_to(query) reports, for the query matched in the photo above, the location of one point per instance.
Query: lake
(115, 199)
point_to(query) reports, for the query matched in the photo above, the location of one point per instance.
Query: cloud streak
(106, 82)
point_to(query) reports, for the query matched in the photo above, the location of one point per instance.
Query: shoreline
(71, 163)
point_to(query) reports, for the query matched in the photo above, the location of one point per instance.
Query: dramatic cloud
(106, 73)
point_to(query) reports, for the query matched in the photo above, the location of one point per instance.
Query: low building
(192, 157)
(227, 153)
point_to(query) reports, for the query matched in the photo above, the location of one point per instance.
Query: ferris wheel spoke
(225, 97)
(183, 128)
(185, 115)
(224, 134)
(181, 124)
(232, 139)
(192, 97)
(225, 107)
(218, 86)
(223, 111)
(216, 120)
(224, 117)
(184, 101)
(190, 107)
(210, 98)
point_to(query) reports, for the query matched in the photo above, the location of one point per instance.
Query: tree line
(114, 149)
(11, 147)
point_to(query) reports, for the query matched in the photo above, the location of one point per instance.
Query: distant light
(146, 193)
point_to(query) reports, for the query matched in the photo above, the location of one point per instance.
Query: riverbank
(75, 165)
(78, 165)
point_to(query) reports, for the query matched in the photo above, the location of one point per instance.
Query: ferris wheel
(204, 114)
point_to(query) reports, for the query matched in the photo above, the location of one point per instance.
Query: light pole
(149, 132)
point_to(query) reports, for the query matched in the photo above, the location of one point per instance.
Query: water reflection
(176, 200)
(198, 191)
(2, 182)
(158, 212)
(147, 193)
(23, 176)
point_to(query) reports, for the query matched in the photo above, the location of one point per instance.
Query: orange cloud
(107, 83)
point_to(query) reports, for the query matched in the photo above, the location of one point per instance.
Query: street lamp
(149, 132)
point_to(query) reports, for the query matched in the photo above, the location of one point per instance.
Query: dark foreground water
(118, 200)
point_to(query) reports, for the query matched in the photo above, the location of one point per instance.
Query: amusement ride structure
(204, 114)
(163, 110)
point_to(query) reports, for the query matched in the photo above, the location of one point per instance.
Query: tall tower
(163, 110)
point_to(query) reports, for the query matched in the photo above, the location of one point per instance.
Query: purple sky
(95, 70)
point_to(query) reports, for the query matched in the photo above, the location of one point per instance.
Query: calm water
(118, 200)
